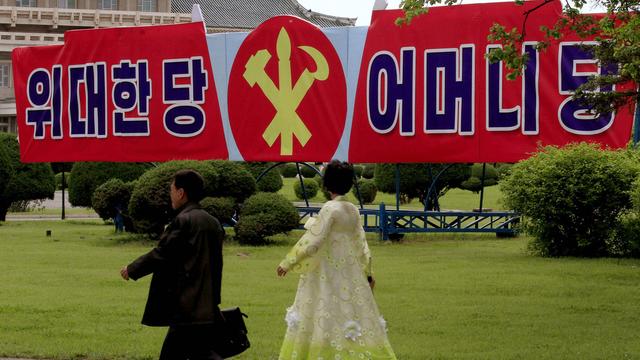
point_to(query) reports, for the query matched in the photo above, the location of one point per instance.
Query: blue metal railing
(388, 222)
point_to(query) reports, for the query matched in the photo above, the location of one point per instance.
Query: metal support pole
(382, 220)
(63, 186)
(397, 186)
(304, 191)
(484, 168)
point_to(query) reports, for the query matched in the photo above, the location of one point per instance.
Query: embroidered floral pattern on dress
(383, 323)
(292, 318)
(352, 330)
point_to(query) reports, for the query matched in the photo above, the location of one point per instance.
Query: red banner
(290, 91)
(121, 94)
(427, 93)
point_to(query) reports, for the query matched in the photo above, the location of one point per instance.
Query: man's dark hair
(191, 182)
(338, 177)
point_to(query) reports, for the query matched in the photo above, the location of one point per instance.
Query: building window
(26, 3)
(5, 75)
(108, 4)
(5, 125)
(147, 5)
(67, 4)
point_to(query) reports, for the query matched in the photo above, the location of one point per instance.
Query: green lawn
(444, 297)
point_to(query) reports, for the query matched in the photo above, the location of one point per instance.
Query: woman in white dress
(334, 315)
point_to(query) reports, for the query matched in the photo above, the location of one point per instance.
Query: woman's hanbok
(334, 315)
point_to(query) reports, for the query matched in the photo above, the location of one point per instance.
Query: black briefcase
(231, 338)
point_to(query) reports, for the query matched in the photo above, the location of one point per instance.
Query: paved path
(56, 204)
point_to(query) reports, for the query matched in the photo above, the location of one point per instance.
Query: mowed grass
(443, 296)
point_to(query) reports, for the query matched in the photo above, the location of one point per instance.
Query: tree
(618, 34)
(29, 182)
(416, 179)
(6, 168)
(87, 176)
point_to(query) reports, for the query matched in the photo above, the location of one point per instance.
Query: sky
(346, 8)
(361, 8)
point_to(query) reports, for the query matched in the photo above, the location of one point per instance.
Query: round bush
(269, 182)
(288, 170)
(367, 173)
(310, 186)
(308, 171)
(474, 183)
(234, 180)
(110, 196)
(222, 208)
(87, 176)
(358, 169)
(368, 190)
(263, 215)
(571, 198)
(150, 205)
(323, 190)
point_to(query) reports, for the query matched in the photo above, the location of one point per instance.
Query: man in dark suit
(187, 271)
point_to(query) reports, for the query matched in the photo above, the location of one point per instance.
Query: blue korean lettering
(449, 90)
(399, 92)
(184, 84)
(93, 79)
(530, 96)
(45, 98)
(574, 116)
(131, 92)
(498, 118)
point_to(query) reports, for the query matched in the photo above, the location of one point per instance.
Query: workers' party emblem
(287, 93)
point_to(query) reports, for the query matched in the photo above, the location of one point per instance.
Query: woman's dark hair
(191, 182)
(338, 177)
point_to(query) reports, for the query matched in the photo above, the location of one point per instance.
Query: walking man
(187, 270)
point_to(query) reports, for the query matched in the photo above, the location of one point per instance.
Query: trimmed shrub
(234, 180)
(150, 205)
(222, 208)
(271, 181)
(310, 186)
(289, 170)
(571, 198)
(29, 181)
(368, 190)
(87, 176)
(324, 191)
(415, 180)
(110, 196)
(308, 172)
(474, 183)
(368, 171)
(358, 169)
(263, 215)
